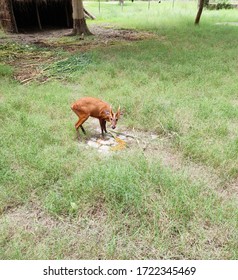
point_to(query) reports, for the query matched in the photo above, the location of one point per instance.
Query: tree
(199, 13)
(79, 22)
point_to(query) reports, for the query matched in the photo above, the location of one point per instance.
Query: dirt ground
(103, 34)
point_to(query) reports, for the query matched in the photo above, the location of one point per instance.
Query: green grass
(187, 83)
(5, 70)
(59, 200)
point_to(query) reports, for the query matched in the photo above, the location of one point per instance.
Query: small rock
(98, 130)
(93, 144)
(104, 149)
(103, 142)
(122, 137)
(111, 142)
(154, 136)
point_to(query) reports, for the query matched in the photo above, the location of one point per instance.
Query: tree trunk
(199, 13)
(79, 22)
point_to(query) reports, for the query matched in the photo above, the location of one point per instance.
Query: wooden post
(38, 16)
(13, 17)
(67, 15)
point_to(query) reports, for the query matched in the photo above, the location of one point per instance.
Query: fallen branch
(25, 81)
(88, 14)
(112, 134)
(121, 133)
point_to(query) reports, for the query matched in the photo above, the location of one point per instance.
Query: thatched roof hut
(24, 15)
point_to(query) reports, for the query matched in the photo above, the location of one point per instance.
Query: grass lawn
(177, 199)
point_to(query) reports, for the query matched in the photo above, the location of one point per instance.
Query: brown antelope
(93, 107)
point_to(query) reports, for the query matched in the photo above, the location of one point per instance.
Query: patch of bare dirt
(103, 34)
(232, 188)
(28, 217)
